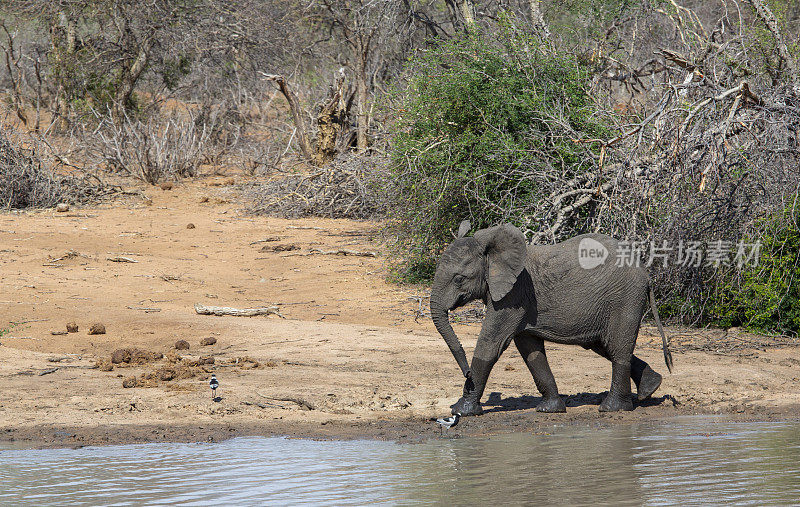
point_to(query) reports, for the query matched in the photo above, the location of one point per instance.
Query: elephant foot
(613, 403)
(551, 405)
(466, 408)
(649, 383)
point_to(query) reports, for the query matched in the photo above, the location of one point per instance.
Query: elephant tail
(664, 342)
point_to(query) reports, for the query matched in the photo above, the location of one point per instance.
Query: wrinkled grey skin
(538, 293)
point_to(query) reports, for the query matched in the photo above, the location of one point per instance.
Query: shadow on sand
(496, 402)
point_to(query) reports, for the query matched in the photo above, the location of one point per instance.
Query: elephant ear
(464, 228)
(504, 247)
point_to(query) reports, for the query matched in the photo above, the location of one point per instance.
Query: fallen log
(122, 259)
(300, 402)
(344, 251)
(237, 312)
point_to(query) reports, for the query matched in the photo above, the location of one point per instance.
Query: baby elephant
(571, 292)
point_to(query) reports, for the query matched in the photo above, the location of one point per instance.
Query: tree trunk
(363, 95)
(130, 75)
(329, 122)
(538, 18)
(468, 11)
(67, 21)
(768, 18)
(70, 34)
(297, 115)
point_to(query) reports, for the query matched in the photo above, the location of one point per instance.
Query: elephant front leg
(499, 326)
(470, 402)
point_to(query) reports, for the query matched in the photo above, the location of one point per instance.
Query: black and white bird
(448, 422)
(214, 383)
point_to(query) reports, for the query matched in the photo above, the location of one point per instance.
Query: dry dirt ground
(345, 358)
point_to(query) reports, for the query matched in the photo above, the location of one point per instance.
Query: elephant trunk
(441, 320)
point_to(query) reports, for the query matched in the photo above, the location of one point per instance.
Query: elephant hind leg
(532, 351)
(619, 396)
(647, 380)
(617, 345)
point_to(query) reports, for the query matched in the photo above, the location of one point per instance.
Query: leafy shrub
(484, 125)
(765, 297)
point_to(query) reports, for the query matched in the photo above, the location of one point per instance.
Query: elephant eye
(458, 279)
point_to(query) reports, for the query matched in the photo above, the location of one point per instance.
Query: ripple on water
(686, 461)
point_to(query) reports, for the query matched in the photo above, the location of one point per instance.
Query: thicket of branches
(699, 143)
(27, 179)
(669, 120)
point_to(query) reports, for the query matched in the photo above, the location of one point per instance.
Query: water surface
(682, 461)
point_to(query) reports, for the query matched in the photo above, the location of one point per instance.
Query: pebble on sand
(72, 327)
(129, 382)
(104, 364)
(190, 225)
(182, 345)
(208, 341)
(97, 328)
(167, 185)
(134, 356)
(62, 207)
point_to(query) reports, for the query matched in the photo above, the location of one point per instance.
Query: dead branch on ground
(236, 312)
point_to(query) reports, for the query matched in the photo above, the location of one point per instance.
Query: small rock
(104, 365)
(72, 327)
(167, 185)
(142, 356)
(190, 226)
(181, 345)
(97, 328)
(204, 198)
(58, 333)
(134, 356)
(129, 382)
(120, 356)
(205, 360)
(165, 374)
(173, 357)
(247, 363)
(279, 248)
(62, 207)
(208, 341)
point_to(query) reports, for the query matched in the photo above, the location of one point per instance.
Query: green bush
(765, 297)
(483, 125)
